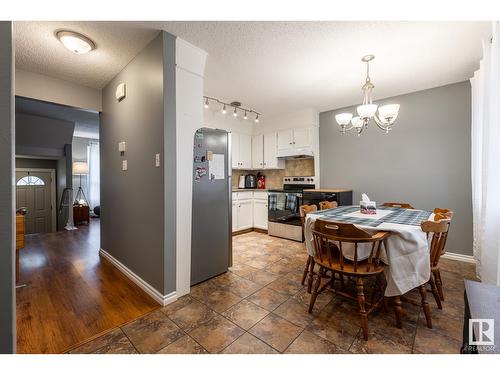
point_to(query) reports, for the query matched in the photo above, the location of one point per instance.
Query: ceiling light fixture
(75, 42)
(385, 118)
(236, 105)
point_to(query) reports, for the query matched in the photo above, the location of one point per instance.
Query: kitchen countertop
(239, 189)
(333, 190)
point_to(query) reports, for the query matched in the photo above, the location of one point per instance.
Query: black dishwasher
(343, 198)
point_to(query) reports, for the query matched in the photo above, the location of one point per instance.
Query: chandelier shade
(343, 119)
(367, 110)
(385, 117)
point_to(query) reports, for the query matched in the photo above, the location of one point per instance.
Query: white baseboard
(459, 257)
(152, 292)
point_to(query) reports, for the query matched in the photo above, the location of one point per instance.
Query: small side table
(81, 214)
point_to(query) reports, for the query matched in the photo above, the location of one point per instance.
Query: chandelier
(385, 117)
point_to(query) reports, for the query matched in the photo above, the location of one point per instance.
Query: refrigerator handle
(230, 192)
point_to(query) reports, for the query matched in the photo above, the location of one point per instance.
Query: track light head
(257, 118)
(206, 103)
(224, 111)
(235, 114)
(245, 117)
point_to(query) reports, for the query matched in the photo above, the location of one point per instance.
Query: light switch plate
(122, 146)
(121, 92)
(124, 165)
(157, 160)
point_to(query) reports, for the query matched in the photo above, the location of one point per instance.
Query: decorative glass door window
(30, 180)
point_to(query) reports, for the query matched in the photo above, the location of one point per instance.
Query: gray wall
(7, 294)
(425, 160)
(42, 136)
(36, 163)
(64, 180)
(132, 201)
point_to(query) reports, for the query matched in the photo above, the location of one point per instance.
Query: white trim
(152, 292)
(459, 257)
(53, 201)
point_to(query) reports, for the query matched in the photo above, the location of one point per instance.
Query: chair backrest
(325, 205)
(327, 252)
(304, 210)
(437, 233)
(442, 214)
(398, 205)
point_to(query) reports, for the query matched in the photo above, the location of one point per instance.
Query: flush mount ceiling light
(237, 107)
(385, 118)
(75, 42)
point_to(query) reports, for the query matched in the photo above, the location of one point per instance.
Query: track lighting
(236, 108)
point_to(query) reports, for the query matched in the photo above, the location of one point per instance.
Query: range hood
(296, 153)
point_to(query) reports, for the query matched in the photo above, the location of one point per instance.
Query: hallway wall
(132, 201)
(7, 236)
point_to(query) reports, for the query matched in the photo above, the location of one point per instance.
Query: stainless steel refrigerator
(211, 242)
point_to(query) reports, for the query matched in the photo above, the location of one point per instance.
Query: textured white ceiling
(274, 67)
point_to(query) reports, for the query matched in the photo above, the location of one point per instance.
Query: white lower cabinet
(260, 214)
(245, 214)
(235, 215)
(249, 210)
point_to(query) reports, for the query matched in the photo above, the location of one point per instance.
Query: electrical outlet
(124, 165)
(157, 160)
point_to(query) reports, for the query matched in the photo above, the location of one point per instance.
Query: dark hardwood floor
(71, 294)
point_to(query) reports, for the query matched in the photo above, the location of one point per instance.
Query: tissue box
(369, 208)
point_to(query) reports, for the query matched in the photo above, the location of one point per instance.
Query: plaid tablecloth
(397, 216)
(406, 252)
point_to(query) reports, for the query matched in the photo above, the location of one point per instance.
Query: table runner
(407, 250)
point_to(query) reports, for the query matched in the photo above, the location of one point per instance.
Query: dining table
(405, 251)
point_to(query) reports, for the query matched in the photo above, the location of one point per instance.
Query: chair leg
(310, 279)
(362, 311)
(439, 284)
(425, 305)
(306, 269)
(315, 291)
(435, 293)
(398, 311)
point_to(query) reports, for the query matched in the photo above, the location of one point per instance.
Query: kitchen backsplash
(274, 177)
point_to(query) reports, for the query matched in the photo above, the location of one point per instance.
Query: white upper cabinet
(270, 152)
(285, 139)
(296, 141)
(245, 151)
(235, 150)
(257, 152)
(264, 152)
(301, 138)
(241, 151)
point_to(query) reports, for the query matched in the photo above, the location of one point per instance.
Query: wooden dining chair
(329, 256)
(398, 205)
(325, 205)
(440, 215)
(304, 210)
(437, 233)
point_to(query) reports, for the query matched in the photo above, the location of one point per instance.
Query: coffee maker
(250, 181)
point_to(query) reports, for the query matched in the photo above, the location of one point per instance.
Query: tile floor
(261, 307)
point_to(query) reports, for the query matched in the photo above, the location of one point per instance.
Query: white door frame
(52, 190)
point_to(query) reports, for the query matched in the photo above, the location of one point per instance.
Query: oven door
(283, 206)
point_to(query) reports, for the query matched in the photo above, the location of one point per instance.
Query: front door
(33, 191)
